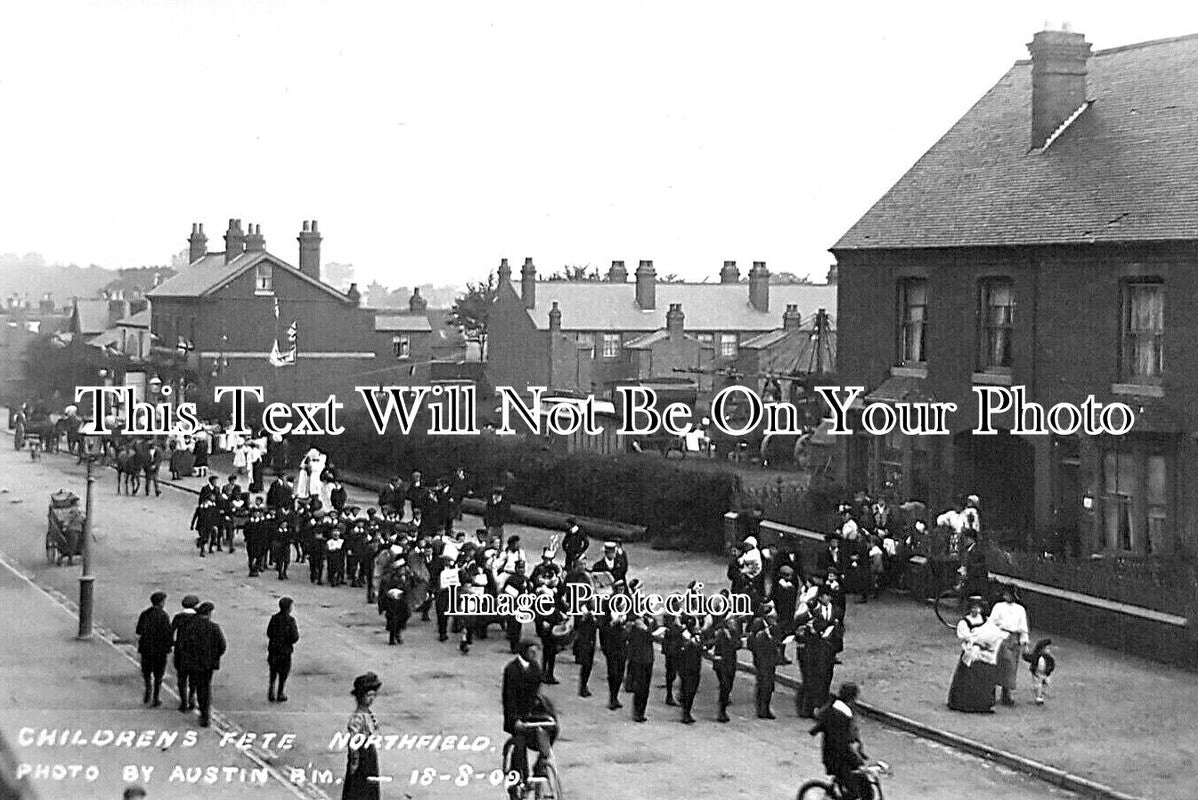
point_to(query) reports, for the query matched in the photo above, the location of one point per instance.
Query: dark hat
(206, 608)
(285, 603)
(366, 683)
(511, 540)
(157, 598)
(191, 601)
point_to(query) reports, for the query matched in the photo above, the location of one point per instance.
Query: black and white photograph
(598, 400)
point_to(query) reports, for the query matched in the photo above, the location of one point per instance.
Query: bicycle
(543, 783)
(951, 604)
(831, 789)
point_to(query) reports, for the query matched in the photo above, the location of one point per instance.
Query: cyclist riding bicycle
(843, 755)
(524, 703)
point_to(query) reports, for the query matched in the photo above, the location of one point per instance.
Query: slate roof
(401, 322)
(607, 306)
(647, 340)
(1125, 170)
(93, 316)
(210, 273)
(139, 320)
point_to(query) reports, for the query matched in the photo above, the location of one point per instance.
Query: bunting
(279, 358)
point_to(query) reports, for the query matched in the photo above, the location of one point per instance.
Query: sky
(432, 139)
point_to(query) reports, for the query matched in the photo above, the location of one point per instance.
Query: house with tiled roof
(586, 337)
(219, 320)
(1048, 240)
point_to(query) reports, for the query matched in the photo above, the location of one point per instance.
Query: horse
(128, 470)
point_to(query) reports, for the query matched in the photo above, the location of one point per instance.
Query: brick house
(215, 323)
(586, 337)
(1048, 240)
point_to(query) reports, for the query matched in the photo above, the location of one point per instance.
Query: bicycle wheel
(551, 787)
(948, 608)
(815, 790)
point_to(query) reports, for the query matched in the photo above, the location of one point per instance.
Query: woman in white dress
(309, 483)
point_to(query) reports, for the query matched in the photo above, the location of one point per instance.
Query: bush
(679, 507)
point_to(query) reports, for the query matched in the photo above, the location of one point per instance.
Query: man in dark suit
(497, 512)
(832, 556)
(766, 646)
(151, 461)
(281, 635)
(690, 662)
(391, 497)
(521, 701)
(614, 561)
(842, 751)
(154, 642)
(202, 644)
(640, 664)
(823, 639)
(613, 641)
(280, 495)
(977, 576)
(723, 637)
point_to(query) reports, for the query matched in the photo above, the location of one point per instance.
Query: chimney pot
(759, 286)
(729, 273)
(528, 284)
(617, 273)
(309, 250)
(234, 241)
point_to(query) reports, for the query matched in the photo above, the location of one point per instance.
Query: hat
(479, 580)
(751, 541)
(609, 545)
(157, 598)
(191, 601)
(548, 553)
(366, 683)
(785, 571)
(976, 600)
(394, 593)
(206, 608)
(973, 499)
(285, 603)
(511, 540)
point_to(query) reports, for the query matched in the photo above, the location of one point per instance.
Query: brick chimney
(555, 318)
(46, 304)
(505, 270)
(197, 243)
(1058, 80)
(309, 250)
(759, 286)
(255, 242)
(234, 240)
(792, 320)
(118, 309)
(729, 273)
(646, 286)
(674, 321)
(416, 303)
(617, 273)
(354, 295)
(528, 284)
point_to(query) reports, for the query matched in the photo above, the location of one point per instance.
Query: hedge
(680, 508)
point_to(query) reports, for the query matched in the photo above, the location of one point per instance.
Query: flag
(276, 308)
(279, 358)
(293, 333)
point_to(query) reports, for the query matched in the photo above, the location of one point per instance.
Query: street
(142, 545)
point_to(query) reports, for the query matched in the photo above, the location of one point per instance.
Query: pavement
(431, 688)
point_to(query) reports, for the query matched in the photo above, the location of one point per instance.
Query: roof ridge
(1125, 47)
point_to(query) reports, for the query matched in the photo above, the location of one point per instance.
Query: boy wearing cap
(281, 635)
(203, 644)
(178, 624)
(154, 641)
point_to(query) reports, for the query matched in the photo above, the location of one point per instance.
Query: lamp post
(87, 580)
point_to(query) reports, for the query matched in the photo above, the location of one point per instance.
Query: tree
(180, 259)
(575, 272)
(472, 310)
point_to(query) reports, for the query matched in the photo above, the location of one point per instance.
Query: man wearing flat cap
(203, 644)
(154, 642)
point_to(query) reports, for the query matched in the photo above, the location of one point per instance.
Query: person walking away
(972, 688)
(1043, 664)
(395, 606)
(203, 646)
(154, 641)
(516, 585)
(670, 642)
(574, 544)
(362, 763)
(843, 755)
(497, 512)
(281, 635)
(1011, 617)
(178, 623)
(640, 663)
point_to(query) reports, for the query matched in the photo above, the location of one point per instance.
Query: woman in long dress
(972, 689)
(363, 762)
(309, 484)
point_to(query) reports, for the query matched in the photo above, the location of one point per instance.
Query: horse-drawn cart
(64, 528)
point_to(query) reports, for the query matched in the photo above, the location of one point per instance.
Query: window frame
(987, 327)
(903, 293)
(401, 347)
(1128, 338)
(612, 345)
(727, 351)
(266, 287)
(586, 341)
(1148, 522)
